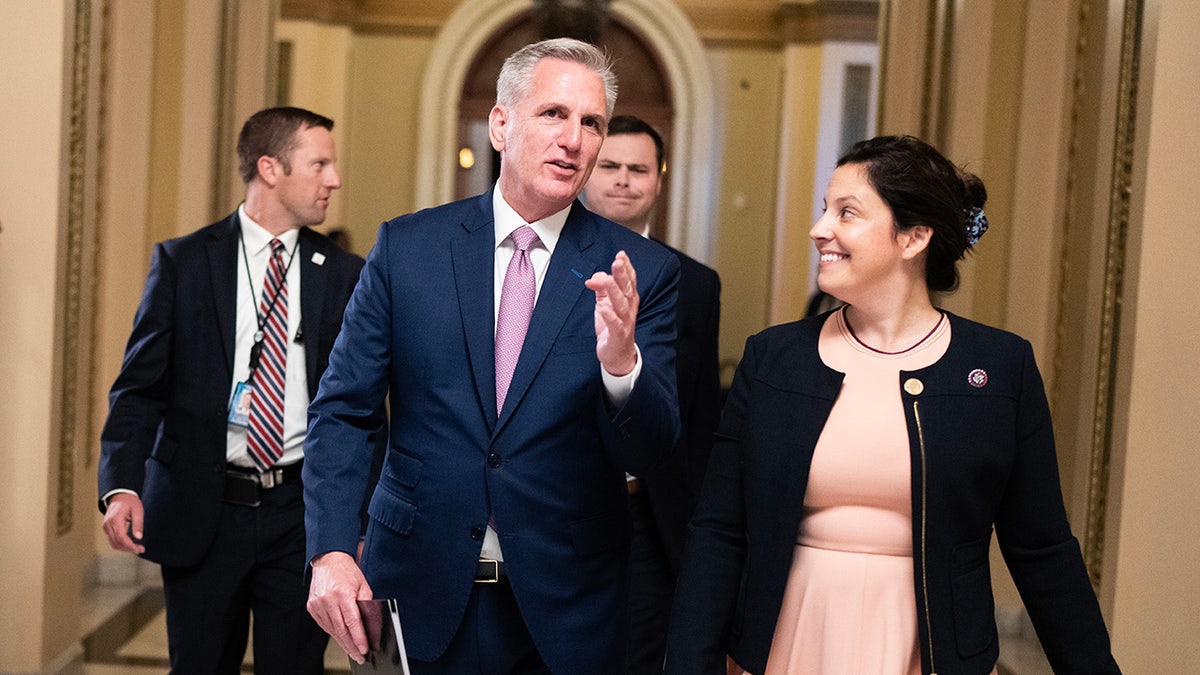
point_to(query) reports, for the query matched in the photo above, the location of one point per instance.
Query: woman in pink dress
(866, 455)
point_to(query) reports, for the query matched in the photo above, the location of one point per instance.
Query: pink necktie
(265, 440)
(516, 306)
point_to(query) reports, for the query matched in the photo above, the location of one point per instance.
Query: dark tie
(266, 407)
(516, 306)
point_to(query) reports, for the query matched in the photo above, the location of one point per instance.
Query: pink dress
(850, 604)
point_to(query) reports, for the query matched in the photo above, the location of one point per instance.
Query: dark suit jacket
(420, 328)
(165, 434)
(983, 456)
(674, 489)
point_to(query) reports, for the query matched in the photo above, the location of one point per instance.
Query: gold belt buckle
(495, 572)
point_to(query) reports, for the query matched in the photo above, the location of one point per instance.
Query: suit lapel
(570, 267)
(313, 288)
(473, 250)
(224, 261)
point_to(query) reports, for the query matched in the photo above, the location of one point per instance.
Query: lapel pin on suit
(318, 258)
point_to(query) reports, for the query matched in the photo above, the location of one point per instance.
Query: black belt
(489, 571)
(244, 486)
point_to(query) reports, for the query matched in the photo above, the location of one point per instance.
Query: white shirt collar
(548, 229)
(257, 238)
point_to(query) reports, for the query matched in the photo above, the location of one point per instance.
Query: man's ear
(498, 126)
(915, 241)
(269, 170)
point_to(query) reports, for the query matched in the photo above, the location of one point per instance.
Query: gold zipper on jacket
(924, 561)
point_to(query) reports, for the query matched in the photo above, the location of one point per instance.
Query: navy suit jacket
(165, 433)
(420, 329)
(674, 489)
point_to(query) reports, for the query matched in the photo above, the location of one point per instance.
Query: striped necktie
(265, 440)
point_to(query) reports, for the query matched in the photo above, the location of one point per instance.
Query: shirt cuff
(108, 495)
(617, 389)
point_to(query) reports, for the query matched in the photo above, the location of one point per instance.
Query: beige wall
(748, 86)
(795, 178)
(385, 85)
(32, 39)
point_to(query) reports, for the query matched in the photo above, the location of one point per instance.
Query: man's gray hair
(516, 76)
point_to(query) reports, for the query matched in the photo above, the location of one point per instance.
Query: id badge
(239, 405)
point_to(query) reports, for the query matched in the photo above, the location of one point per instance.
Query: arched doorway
(664, 31)
(643, 91)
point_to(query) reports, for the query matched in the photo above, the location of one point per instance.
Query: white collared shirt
(548, 230)
(256, 244)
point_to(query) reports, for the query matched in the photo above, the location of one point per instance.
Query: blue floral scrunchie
(976, 224)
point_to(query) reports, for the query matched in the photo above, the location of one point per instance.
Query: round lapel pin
(977, 378)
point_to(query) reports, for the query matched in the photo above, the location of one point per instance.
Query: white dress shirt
(548, 229)
(256, 243)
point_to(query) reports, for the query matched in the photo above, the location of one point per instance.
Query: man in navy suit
(177, 481)
(624, 188)
(501, 526)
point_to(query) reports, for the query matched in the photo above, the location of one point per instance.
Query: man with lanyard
(201, 454)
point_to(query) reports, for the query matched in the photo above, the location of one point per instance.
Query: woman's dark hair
(922, 187)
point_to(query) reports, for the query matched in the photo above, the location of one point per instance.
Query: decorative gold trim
(1069, 218)
(1114, 285)
(72, 306)
(95, 240)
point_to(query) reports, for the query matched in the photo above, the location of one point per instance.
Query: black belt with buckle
(489, 571)
(244, 486)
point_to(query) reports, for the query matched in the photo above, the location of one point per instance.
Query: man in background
(624, 188)
(201, 454)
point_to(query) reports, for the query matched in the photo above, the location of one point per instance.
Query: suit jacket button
(477, 533)
(914, 386)
(494, 459)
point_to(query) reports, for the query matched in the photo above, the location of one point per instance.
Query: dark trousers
(651, 588)
(492, 639)
(255, 565)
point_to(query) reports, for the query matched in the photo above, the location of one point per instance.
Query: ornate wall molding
(1099, 433)
(1116, 236)
(72, 297)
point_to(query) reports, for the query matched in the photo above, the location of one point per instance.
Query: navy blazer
(420, 330)
(165, 433)
(982, 456)
(674, 489)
